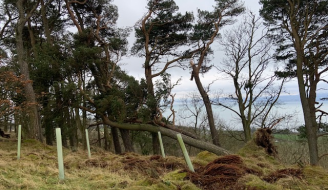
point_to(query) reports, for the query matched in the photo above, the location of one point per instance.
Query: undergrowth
(250, 168)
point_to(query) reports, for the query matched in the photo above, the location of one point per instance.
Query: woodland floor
(252, 168)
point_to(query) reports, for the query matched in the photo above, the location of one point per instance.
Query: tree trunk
(99, 137)
(152, 103)
(49, 129)
(107, 139)
(84, 126)
(155, 143)
(70, 128)
(5, 124)
(34, 120)
(127, 140)
(247, 132)
(208, 106)
(169, 133)
(116, 140)
(311, 131)
(308, 106)
(80, 126)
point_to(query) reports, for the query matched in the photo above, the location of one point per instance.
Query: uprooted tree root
(263, 138)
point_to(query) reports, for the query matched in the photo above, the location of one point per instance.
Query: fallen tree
(169, 133)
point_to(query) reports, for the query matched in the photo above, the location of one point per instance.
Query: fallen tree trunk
(169, 133)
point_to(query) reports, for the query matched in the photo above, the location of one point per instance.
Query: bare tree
(247, 51)
(193, 110)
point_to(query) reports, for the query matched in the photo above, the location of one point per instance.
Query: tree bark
(307, 100)
(151, 100)
(127, 140)
(308, 113)
(155, 142)
(99, 137)
(107, 139)
(34, 120)
(208, 106)
(116, 140)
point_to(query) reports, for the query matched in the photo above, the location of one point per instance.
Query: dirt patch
(284, 173)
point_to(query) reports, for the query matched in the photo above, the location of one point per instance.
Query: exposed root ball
(264, 138)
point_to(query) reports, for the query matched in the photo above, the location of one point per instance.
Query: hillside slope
(252, 168)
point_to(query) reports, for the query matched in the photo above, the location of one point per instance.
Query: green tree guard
(185, 153)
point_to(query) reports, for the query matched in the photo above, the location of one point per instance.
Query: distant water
(287, 105)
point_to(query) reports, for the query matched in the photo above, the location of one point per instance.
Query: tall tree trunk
(152, 101)
(34, 120)
(116, 140)
(99, 137)
(155, 142)
(70, 128)
(48, 126)
(308, 112)
(241, 106)
(208, 106)
(106, 137)
(84, 124)
(247, 131)
(5, 123)
(81, 127)
(127, 140)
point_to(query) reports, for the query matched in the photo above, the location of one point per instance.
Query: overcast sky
(132, 11)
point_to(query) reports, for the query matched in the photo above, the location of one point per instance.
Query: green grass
(288, 137)
(38, 169)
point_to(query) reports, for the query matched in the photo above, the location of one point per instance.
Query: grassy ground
(37, 169)
(293, 150)
(289, 137)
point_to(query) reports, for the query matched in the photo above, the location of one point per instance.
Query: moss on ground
(204, 158)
